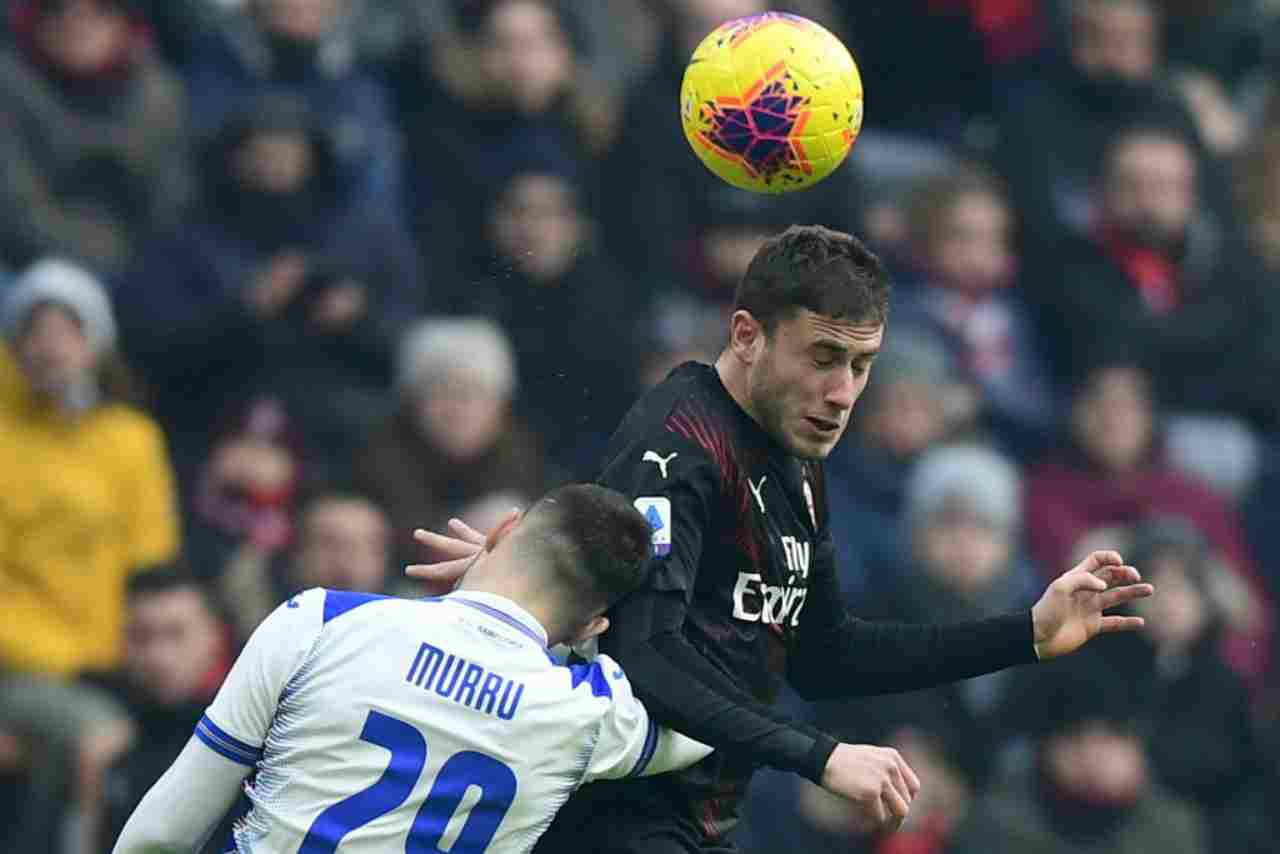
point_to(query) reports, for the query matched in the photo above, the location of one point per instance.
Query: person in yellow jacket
(86, 498)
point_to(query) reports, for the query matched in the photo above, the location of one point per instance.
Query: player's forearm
(863, 658)
(686, 692)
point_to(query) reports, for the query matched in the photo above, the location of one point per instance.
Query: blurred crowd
(282, 280)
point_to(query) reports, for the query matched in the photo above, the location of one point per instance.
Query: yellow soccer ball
(771, 103)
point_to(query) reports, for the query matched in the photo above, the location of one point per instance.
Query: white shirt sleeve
(183, 808)
(630, 742)
(235, 724)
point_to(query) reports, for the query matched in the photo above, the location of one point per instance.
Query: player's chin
(814, 445)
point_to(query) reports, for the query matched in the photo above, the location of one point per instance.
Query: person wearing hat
(88, 500)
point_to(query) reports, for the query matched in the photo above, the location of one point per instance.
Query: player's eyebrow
(841, 349)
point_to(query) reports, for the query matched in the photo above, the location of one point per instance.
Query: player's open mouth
(823, 425)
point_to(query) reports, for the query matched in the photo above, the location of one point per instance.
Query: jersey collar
(503, 609)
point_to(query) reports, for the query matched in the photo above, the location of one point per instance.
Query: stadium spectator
(93, 133)
(1195, 710)
(962, 280)
(453, 437)
(1111, 473)
(343, 542)
(509, 87)
(984, 44)
(914, 403)
(1090, 787)
(1053, 130)
(91, 501)
(559, 298)
(303, 49)
(240, 513)
(962, 514)
(177, 653)
(1158, 274)
(272, 286)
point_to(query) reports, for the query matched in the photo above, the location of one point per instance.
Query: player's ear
(598, 626)
(499, 533)
(746, 336)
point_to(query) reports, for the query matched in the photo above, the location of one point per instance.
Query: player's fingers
(1097, 560)
(913, 782)
(1119, 595)
(1120, 624)
(1117, 576)
(895, 804)
(470, 534)
(448, 570)
(1074, 582)
(445, 546)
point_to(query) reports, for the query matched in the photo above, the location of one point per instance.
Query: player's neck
(733, 375)
(518, 588)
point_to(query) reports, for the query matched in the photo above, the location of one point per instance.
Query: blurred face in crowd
(53, 350)
(1179, 615)
(537, 227)
(460, 417)
(904, 417)
(304, 20)
(1114, 419)
(963, 551)
(276, 162)
(1097, 763)
(526, 54)
(344, 543)
(809, 372)
(972, 249)
(83, 36)
(172, 641)
(1150, 190)
(1114, 39)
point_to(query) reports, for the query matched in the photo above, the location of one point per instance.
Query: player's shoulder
(683, 413)
(599, 682)
(320, 607)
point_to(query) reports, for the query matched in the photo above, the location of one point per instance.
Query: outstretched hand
(455, 553)
(1070, 613)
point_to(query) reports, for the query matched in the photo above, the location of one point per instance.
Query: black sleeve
(836, 655)
(677, 484)
(687, 693)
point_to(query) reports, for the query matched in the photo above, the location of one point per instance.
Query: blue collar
(501, 608)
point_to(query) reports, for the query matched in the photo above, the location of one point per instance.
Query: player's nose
(842, 393)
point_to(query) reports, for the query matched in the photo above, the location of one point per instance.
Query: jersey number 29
(461, 771)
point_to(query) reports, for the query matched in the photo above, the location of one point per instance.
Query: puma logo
(662, 462)
(755, 490)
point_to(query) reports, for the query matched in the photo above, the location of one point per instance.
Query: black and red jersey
(741, 595)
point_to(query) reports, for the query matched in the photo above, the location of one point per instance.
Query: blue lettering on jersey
(457, 679)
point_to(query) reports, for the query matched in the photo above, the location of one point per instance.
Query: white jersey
(435, 725)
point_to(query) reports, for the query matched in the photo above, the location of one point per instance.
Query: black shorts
(597, 821)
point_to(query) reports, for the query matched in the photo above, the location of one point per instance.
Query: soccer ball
(771, 103)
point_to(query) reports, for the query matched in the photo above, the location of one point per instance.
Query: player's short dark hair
(810, 267)
(592, 538)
